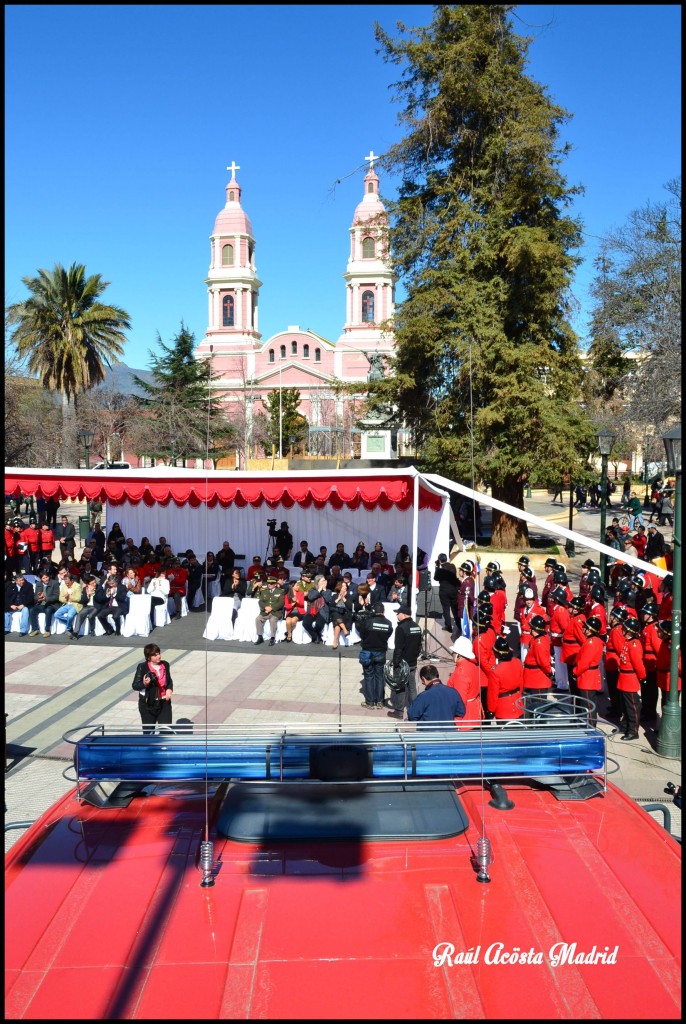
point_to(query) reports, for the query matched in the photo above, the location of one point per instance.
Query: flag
(466, 625)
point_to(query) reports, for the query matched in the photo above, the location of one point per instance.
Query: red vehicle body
(106, 918)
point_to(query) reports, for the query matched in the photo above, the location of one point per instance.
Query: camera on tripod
(271, 522)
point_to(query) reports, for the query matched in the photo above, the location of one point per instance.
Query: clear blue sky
(121, 120)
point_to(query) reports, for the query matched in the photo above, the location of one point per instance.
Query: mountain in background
(120, 378)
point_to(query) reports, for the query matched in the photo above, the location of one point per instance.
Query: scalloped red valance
(225, 488)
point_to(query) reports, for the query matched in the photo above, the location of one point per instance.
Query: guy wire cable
(207, 847)
(483, 842)
(340, 690)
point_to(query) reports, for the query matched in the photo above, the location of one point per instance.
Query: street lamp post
(669, 737)
(646, 497)
(605, 441)
(86, 439)
(570, 550)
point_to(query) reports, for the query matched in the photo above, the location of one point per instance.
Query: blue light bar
(442, 754)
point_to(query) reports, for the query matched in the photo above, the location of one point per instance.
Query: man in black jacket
(19, 597)
(47, 599)
(375, 632)
(226, 559)
(283, 539)
(407, 647)
(194, 579)
(89, 611)
(655, 548)
(445, 574)
(109, 591)
(65, 534)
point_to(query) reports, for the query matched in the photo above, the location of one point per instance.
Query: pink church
(249, 368)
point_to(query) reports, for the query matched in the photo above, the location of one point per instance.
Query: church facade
(248, 367)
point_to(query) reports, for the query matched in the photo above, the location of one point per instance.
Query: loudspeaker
(424, 580)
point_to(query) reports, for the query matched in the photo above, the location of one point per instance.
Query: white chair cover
(171, 607)
(15, 623)
(137, 622)
(244, 626)
(300, 636)
(219, 625)
(162, 616)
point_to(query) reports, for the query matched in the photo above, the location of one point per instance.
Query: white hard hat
(463, 647)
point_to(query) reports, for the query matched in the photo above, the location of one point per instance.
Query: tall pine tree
(283, 407)
(486, 251)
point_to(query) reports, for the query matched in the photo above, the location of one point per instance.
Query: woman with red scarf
(154, 681)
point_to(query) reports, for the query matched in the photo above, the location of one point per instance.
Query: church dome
(232, 219)
(370, 208)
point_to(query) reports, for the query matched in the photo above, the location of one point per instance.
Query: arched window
(232, 196)
(317, 355)
(227, 255)
(283, 351)
(368, 307)
(370, 186)
(368, 249)
(227, 311)
(306, 351)
(294, 348)
(271, 355)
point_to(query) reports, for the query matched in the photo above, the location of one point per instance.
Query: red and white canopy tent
(200, 509)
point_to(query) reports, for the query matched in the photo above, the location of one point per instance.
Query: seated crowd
(112, 567)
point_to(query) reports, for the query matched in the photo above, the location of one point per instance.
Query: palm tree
(68, 337)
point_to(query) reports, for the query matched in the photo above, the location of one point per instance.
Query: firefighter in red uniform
(525, 563)
(527, 580)
(573, 637)
(584, 585)
(615, 643)
(549, 585)
(562, 580)
(626, 599)
(665, 599)
(467, 680)
(494, 585)
(651, 641)
(483, 603)
(465, 595)
(31, 537)
(531, 608)
(11, 539)
(505, 682)
(632, 673)
(642, 593)
(483, 639)
(595, 605)
(46, 542)
(537, 672)
(559, 620)
(664, 658)
(588, 662)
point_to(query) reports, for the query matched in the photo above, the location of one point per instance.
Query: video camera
(271, 522)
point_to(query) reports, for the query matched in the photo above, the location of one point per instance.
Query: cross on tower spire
(233, 167)
(371, 159)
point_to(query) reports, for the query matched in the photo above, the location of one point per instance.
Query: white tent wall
(246, 528)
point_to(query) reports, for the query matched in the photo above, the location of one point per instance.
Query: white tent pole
(545, 524)
(415, 542)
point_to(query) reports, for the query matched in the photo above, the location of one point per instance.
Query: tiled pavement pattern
(54, 685)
